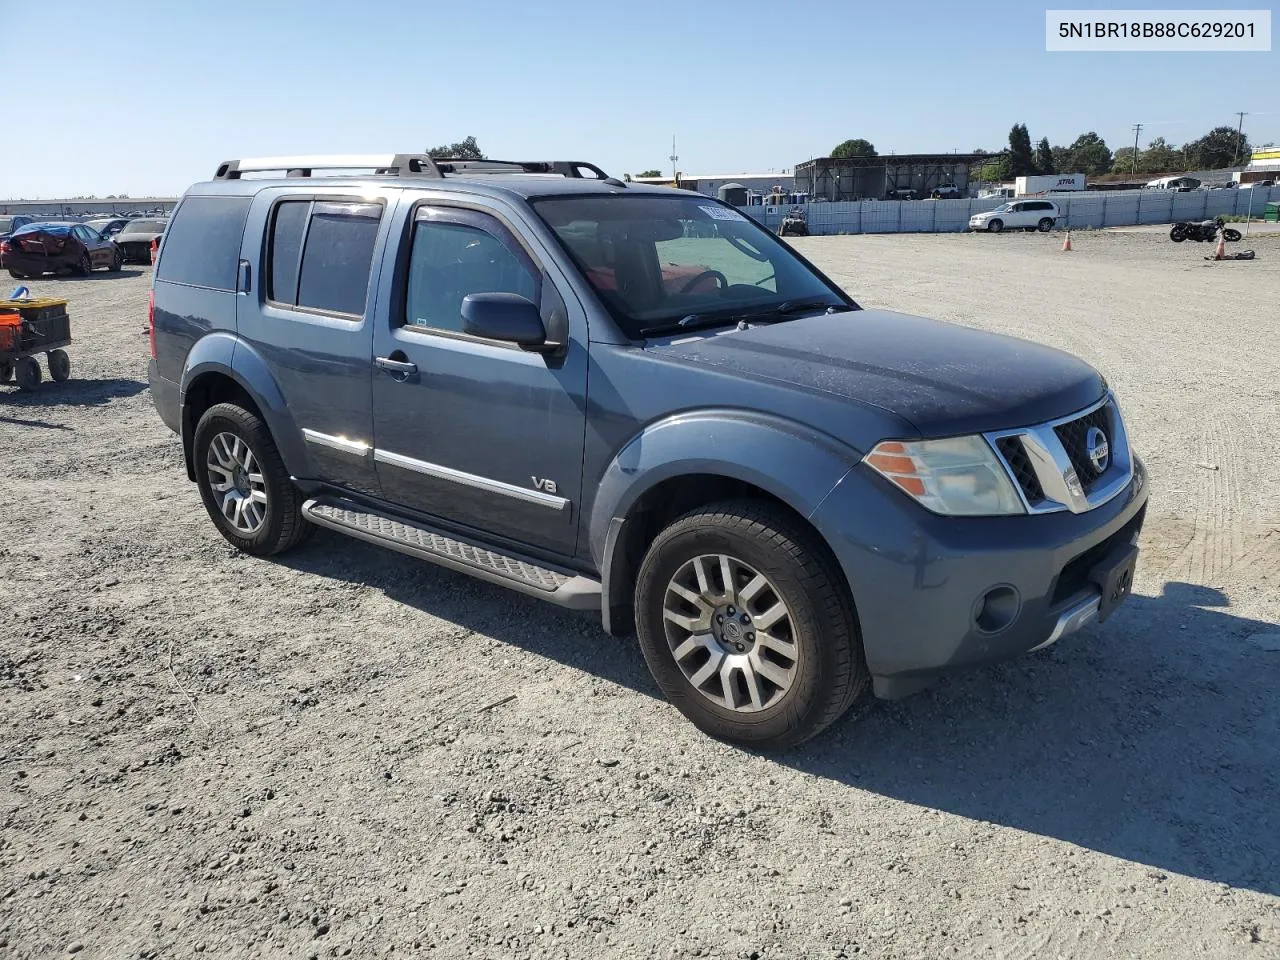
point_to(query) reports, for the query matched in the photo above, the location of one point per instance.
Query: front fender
(795, 463)
(226, 355)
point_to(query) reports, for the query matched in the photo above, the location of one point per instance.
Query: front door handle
(399, 369)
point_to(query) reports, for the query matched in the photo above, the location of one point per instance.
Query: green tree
(649, 173)
(1089, 154)
(1044, 157)
(1218, 148)
(468, 149)
(1159, 157)
(854, 148)
(1061, 160)
(995, 171)
(1122, 160)
(1022, 161)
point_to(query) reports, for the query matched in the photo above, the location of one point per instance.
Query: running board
(561, 587)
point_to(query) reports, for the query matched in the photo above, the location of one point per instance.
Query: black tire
(27, 372)
(283, 526)
(995, 226)
(1178, 233)
(117, 262)
(1045, 224)
(59, 365)
(830, 672)
(84, 266)
(6, 371)
(1232, 236)
(16, 275)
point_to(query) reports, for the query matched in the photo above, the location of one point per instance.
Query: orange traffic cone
(1221, 252)
(1066, 244)
(155, 250)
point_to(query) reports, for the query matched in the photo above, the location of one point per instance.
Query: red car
(56, 247)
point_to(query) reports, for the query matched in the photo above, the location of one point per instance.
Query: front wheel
(1178, 233)
(16, 275)
(27, 372)
(995, 226)
(244, 484)
(746, 624)
(59, 365)
(84, 266)
(1232, 236)
(117, 261)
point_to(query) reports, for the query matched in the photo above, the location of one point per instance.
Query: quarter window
(322, 255)
(202, 244)
(451, 259)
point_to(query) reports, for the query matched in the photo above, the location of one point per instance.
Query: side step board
(561, 587)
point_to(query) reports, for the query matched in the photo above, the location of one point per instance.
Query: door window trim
(267, 255)
(438, 210)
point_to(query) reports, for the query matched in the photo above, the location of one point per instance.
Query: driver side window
(449, 260)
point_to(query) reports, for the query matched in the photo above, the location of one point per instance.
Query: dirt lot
(204, 753)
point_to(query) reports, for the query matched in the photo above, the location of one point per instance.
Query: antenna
(673, 158)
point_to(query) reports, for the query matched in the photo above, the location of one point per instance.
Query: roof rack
(403, 165)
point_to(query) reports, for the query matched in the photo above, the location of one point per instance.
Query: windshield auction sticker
(1157, 30)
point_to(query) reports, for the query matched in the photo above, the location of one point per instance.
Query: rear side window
(202, 244)
(322, 254)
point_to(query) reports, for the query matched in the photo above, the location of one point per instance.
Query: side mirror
(503, 316)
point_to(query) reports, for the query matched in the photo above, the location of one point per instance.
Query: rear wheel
(59, 365)
(1045, 225)
(16, 275)
(995, 226)
(244, 484)
(1178, 233)
(1231, 236)
(6, 371)
(746, 625)
(27, 372)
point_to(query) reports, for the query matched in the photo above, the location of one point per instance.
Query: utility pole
(1137, 129)
(673, 158)
(1239, 134)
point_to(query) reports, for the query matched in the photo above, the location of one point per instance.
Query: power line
(1133, 167)
(1239, 136)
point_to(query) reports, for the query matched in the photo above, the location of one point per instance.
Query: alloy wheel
(730, 633)
(237, 483)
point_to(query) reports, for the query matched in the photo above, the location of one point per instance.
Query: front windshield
(1003, 208)
(144, 226)
(660, 260)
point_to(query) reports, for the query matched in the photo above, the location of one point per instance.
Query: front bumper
(919, 580)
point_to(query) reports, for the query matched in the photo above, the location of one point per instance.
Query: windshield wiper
(786, 308)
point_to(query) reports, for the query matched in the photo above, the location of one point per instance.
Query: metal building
(897, 176)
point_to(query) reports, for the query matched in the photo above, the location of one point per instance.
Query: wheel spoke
(707, 669)
(258, 496)
(694, 642)
(692, 624)
(753, 687)
(749, 592)
(686, 594)
(726, 576)
(773, 673)
(776, 644)
(727, 688)
(771, 616)
(700, 571)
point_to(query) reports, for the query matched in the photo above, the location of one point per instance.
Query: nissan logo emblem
(1099, 451)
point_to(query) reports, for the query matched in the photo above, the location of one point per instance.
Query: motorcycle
(1203, 230)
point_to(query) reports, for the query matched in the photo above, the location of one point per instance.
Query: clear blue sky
(153, 95)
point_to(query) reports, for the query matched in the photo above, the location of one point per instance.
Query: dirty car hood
(942, 378)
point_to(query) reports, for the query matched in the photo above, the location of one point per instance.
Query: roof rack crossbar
(392, 164)
(403, 165)
(459, 166)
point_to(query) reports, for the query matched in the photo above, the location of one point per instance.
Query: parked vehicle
(1181, 184)
(947, 191)
(107, 226)
(1044, 183)
(795, 223)
(10, 224)
(1202, 230)
(1018, 215)
(57, 247)
(136, 238)
(789, 498)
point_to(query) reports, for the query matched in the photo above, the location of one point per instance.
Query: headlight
(958, 477)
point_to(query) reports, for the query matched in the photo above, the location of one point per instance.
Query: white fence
(1091, 208)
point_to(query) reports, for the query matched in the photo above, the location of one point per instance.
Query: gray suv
(635, 400)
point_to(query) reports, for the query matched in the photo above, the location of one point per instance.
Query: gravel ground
(347, 752)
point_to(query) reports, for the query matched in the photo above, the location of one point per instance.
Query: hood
(942, 378)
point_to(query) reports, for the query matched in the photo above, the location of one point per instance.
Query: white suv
(1018, 214)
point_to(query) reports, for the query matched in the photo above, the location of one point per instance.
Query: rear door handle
(399, 369)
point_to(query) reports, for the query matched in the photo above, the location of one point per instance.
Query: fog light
(996, 609)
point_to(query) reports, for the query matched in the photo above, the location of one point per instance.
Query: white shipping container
(1049, 182)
